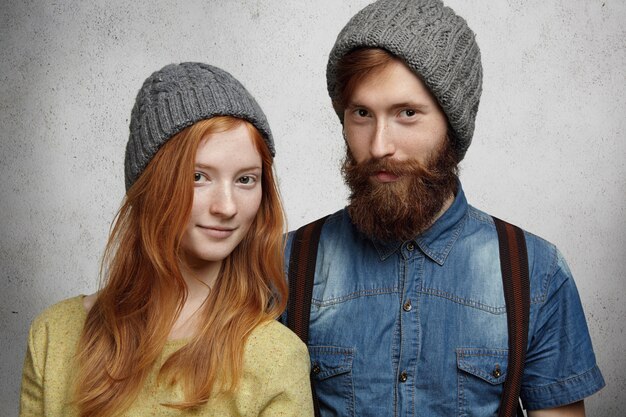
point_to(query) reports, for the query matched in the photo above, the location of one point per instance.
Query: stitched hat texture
(177, 96)
(434, 42)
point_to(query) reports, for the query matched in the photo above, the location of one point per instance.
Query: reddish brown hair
(144, 291)
(354, 67)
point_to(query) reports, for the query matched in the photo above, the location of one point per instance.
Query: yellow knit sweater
(275, 381)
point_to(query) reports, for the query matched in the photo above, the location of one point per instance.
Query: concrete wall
(548, 152)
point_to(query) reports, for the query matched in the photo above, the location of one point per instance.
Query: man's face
(401, 167)
(392, 115)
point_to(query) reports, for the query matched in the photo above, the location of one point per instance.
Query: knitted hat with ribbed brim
(177, 96)
(435, 43)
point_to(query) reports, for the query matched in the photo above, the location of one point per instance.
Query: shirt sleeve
(288, 386)
(31, 395)
(294, 401)
(560, 364)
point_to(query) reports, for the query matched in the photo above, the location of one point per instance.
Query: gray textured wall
(548, 152)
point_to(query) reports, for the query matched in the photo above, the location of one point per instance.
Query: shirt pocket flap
(489, 365)
(329, 361)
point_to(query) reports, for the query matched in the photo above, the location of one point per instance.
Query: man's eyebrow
(410, 105)
(353, 105)
(403, 105)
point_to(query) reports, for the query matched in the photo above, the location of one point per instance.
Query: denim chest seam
(356, 294)
(462, 301)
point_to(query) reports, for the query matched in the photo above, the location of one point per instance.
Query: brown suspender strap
(515, 279)
(301, 276)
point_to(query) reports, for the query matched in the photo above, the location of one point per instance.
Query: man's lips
(385, 176)
(218, 232)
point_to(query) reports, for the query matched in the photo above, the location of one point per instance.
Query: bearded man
(408, 314)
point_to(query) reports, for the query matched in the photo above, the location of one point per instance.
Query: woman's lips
(217, 232)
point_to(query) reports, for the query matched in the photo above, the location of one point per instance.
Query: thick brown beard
(403, 209)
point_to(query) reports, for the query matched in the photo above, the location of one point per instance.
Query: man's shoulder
(334, 225)
(545, 261)
(336, 218)
(484, 221)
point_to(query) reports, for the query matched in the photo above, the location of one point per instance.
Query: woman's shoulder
(63, 309)
(61, 318)
(274, 344)
(275, 335)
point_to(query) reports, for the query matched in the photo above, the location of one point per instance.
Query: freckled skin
(227, 196)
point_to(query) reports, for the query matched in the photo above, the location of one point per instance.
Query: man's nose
(382, 144)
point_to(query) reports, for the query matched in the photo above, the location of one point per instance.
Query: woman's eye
(362, 113)
(247, 180)
(199, 177)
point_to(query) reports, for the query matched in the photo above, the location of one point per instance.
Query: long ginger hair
(143, 290)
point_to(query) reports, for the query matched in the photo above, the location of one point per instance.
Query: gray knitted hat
(177, 96)
(435, 43)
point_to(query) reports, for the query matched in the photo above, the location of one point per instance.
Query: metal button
(403, 376)
(407, 306)
(496, 371)
(410, 247)
(316, 369)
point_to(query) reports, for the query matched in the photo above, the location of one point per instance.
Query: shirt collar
(437, 241)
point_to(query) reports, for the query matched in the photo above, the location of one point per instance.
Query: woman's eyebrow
(252, 167)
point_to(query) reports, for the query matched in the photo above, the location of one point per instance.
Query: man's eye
(409, 112)
(362, 112)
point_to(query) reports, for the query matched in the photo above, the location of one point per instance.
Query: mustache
(398, 168)
(357, 175)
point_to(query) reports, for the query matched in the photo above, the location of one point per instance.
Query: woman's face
(227, 195)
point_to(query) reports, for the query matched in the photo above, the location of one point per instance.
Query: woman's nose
(224, 204)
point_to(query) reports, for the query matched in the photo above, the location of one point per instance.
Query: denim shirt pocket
(481, 373)
(331, 369)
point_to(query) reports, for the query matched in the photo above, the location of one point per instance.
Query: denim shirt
(420, 328)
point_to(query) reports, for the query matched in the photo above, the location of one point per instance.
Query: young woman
(193, 277)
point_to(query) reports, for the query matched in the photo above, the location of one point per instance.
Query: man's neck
(446, 205)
